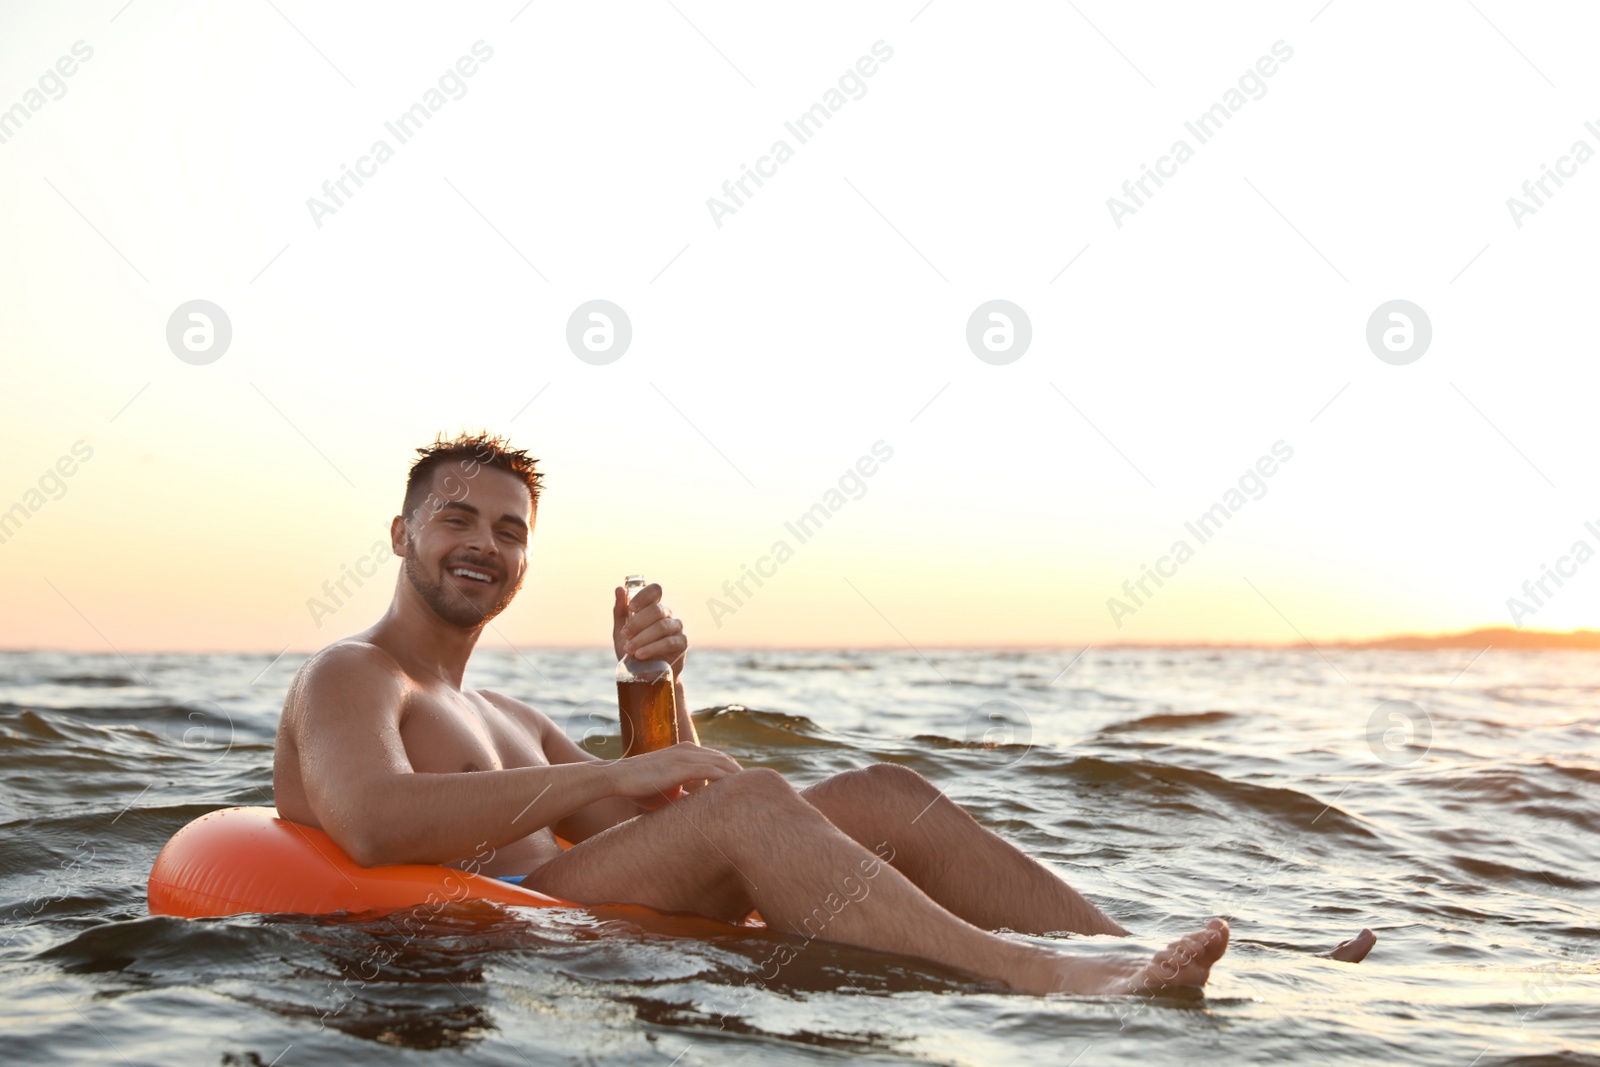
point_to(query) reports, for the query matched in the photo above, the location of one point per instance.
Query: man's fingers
(702, 762)
(685, 762)
(646, 596)
(664, 636)
(642, 602)
(668, 648)
(640, 618)
(659, 628)
(698, 768)
(724, 764)
(640, 621)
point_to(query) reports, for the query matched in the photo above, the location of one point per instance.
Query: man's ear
(397, 536)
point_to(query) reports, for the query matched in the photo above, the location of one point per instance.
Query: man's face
(466, 549)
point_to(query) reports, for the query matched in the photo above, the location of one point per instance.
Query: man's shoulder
(350, 661)
(351, 653)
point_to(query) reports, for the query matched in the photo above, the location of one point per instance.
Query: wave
(1536, 789)
(1171, 721)
(1193, 789)
(94, 681)
(1502, 873)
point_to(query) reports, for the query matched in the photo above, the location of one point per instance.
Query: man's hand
(647, 628)
(652, 779)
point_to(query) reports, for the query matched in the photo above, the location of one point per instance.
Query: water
(1167, 785)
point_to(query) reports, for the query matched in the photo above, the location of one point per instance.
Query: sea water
(1280, 789)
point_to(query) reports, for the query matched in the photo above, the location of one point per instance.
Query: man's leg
(750, 840)
(967, 869)
(949, 856)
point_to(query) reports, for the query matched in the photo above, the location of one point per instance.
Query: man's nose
(482, 541)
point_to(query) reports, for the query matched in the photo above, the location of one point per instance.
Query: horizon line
(1062, 646)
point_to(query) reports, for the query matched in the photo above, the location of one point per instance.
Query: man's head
(464, 527)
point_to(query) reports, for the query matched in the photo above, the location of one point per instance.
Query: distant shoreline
(1504, 638)
(1501, 637)
(1498, 636)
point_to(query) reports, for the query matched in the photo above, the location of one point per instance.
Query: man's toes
(1179, 954)
(1188, 959)
(1354, 950)
(1216, 939)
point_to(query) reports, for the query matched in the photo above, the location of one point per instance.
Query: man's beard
(448, 602)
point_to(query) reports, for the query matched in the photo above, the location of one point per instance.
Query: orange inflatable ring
(249, 860)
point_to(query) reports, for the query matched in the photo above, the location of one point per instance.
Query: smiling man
(382, 746)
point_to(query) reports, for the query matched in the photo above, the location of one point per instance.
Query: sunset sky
(774, 345)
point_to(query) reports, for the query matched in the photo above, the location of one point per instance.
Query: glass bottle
(645, 696)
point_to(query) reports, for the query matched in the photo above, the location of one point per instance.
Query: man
(382, 747)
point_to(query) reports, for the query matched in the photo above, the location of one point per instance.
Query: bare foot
(1354, 950)
(1185, 962)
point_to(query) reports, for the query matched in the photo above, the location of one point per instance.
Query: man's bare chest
(450, 733)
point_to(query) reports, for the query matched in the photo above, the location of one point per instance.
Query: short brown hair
(470, 451)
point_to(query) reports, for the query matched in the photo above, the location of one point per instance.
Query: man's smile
(474, 574)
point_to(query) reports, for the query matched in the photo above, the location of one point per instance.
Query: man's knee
(892, 776)
(885, 788)
(888, 782)
(756, 799)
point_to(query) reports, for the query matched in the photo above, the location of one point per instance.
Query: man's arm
(686, 730)
(362, 789)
